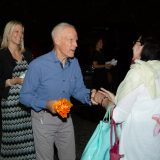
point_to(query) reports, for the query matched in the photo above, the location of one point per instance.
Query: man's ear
(57, 40)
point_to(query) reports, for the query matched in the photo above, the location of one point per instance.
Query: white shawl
(140, 73)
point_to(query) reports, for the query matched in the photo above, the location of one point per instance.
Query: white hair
(57, 30)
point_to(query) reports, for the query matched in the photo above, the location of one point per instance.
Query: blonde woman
(17, 139)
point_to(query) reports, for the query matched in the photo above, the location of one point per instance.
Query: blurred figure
(17, 138)
(102, 76)
(138, 103)
(49, 78)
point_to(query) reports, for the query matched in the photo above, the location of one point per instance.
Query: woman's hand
(19, 80)
(108, 97)
(14, 81)
(107, 93)
(99, 98)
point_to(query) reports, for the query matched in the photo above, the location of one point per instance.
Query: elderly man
(50, 77)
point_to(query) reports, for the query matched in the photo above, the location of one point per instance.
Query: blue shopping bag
(98, 147)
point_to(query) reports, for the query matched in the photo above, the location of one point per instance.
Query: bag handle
(108, 114)
(113, 126)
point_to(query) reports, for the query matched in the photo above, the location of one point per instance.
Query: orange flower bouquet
(62, 107)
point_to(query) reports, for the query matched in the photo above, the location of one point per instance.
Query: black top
(7, 64)
(99, 57)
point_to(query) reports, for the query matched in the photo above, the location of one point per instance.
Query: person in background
(102, 76)
(17, 137)
(50, 77)
(137, 102)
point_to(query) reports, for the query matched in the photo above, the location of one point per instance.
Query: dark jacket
(7, 64)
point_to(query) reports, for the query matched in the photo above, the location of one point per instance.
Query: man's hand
(93, 92)
(50, 106)
(61, 106)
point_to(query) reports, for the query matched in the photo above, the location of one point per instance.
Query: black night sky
(119, 20)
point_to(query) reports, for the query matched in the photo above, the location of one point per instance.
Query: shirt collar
(56, 60)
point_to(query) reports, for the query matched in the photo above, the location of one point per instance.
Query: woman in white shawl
(137, 103)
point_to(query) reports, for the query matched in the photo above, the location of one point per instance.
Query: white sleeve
(123, 108)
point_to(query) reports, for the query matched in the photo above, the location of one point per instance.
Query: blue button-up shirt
(46, 79)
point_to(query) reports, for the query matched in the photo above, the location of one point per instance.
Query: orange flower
(62, 107)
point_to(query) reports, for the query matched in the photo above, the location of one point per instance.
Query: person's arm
(28, 94)
(96, 65)
(13, 81)
(2, 80)
(80, 92)
(6, 68)
(124, 107)
(127, 94)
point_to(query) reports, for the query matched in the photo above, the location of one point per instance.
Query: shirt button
(63, 80)
(63, 91)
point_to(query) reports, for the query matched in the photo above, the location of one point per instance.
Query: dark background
(120, 18)
(119, 21)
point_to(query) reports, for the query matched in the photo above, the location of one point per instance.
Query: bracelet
(103, 100)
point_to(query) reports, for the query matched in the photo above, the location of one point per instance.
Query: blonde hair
(57, 30)
(9, 29)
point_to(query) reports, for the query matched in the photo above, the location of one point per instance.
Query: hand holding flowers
(61, 106)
